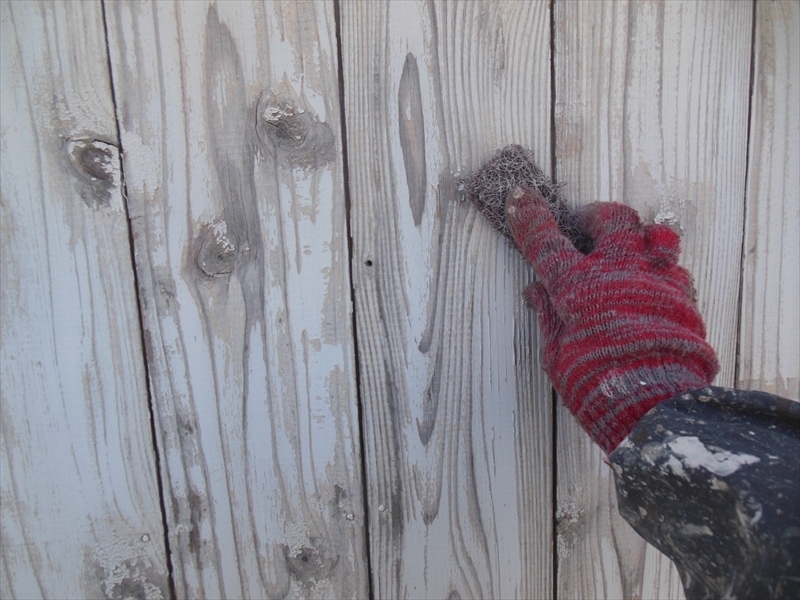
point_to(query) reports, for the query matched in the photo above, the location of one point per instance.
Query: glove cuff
(620, 398)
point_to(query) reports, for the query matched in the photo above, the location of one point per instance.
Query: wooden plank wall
(651, 109)
(770, 319)
(253, 344)
(229, 122)
(79, 499)
(457, 437)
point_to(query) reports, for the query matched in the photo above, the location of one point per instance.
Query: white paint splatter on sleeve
(694, 454)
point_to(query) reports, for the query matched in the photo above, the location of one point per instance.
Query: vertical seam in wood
(354, 319)
(553, 395)
(745, 196)
(150, 408)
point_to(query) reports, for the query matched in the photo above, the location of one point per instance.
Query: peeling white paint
(219, 230)
(667, 215)
(694, 454)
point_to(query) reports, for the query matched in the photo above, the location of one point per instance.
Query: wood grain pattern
(79, 499)
(229, 121)
(457, 414)
(234, 172)
(770, 321)
(651, 109)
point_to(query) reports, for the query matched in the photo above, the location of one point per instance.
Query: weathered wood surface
(770, 322)
(234, 167)
(457, 415)
(651, 109)
(79, 499)
(229, 118)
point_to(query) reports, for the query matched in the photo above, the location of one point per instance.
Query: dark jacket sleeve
(712, 479)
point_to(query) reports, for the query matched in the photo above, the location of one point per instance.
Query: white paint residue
(692, 529)
(666, 215)
(694, 454)
(718, 485)
(626, 443)
(220, 229)
(749, 520)
(296, 537)
(276, 113)
(676, 467)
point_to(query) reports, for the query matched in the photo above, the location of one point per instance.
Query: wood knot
(97, 164)
(310, 565)
(120, 578)
(218, 250)
(299, 137)
(284, 124)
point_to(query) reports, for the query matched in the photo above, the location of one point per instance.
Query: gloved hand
(622, 332)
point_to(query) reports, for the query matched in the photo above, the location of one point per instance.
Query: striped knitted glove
(622, 332)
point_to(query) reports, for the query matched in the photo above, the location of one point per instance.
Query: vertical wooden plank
(78, 488)
(229, 118)
(770, 332)
(651, 109)
(457, 414)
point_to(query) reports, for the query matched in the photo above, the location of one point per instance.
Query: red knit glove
(621, 330)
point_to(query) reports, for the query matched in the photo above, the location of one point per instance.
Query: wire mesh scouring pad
(512, 166)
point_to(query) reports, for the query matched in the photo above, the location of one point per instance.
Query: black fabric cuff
(712, 479)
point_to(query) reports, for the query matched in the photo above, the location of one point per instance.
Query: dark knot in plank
(310, 565)
(297, 136)
(218, 249)
(97, 165)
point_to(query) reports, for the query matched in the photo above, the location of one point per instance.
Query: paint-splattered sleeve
(712, 479)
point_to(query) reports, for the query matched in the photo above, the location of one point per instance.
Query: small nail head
(517, 193)
(511, 210)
